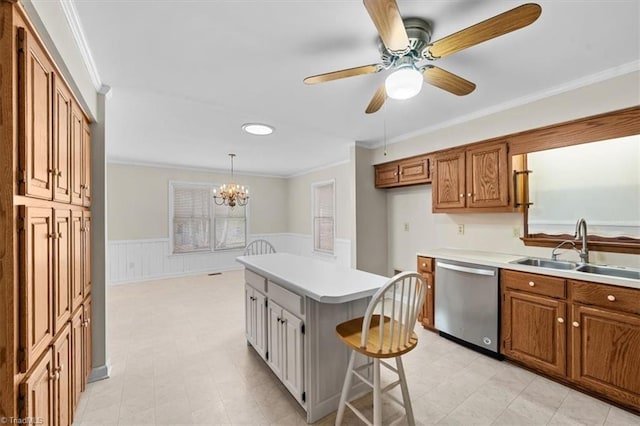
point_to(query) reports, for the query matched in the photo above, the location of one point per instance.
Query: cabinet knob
(575, 324)
(531, 284)
(469, 194)
(560, 320)
(52, 376)
(59, 173)
(59, 368)
(462, 195)
(424, 265)
(611, 298)
(429, 287)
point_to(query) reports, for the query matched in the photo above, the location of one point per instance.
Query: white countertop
(320, 280)
(502, 260)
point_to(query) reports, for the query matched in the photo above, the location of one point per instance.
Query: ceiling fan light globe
(404, 83)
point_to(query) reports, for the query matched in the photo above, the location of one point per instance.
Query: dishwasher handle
(476, 271)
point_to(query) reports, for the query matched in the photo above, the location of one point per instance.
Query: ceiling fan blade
(387, 19)
(504, 23)
(349, 72)
(447, 81)
(378, 99)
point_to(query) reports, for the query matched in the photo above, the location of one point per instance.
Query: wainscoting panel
(141, 260)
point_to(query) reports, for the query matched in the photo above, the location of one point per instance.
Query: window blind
(191, 218)
(323, 217)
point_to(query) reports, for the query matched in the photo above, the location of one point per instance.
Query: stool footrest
(361, 377)
(358, 413)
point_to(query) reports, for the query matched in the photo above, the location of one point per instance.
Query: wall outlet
(516, 232)
(406, 226)
(460, 229)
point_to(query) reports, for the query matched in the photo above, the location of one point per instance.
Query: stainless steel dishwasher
(466, 304)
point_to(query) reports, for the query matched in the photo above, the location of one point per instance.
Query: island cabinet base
(296, 337)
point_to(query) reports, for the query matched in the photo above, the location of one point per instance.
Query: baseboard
(99, 373)
(176, 275)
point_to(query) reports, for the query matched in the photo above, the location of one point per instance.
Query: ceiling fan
(405, 43)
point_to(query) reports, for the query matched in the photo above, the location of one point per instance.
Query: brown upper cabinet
(35, 90)
(409, 171)
(475, 179)
(86, 164)
(77, 132)
(61, 174)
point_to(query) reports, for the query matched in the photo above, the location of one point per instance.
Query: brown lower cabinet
(583, 333)
(51, 390)
(426, 267)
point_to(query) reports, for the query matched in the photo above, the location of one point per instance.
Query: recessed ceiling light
(257, 129)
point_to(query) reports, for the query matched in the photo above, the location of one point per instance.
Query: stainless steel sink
(610, 271)
(546, 263)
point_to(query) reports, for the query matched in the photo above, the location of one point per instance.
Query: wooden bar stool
(259, 247)
(385, 331)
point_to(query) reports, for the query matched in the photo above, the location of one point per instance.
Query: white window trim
(211, 187)
(328, 253)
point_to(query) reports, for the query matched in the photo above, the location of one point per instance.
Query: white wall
(138, 206)
(492, 232)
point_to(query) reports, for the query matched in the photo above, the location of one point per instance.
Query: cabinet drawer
(606, 296)
(255, 281)
(283, 297)
(425, 264)
(533, 283)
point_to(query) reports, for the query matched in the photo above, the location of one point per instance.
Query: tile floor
(179, 356)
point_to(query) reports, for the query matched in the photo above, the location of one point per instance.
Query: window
(323, 194)
(194, 215)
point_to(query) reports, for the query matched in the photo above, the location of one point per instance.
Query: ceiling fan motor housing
(419, 33)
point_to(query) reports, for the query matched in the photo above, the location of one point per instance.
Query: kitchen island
(292, 306)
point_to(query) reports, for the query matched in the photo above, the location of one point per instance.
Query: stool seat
(350, 332)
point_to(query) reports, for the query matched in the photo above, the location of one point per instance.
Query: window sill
(607, 244)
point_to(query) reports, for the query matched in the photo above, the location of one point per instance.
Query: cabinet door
(62, 268)
(77, 131)
(414, 171)
(534, 331)
(36, 283)
(87, 354)
(487, 176)
(62, 353)
(61, 142)
(86, 164)
(35, 93)
(426, 316)
(274, 337)
(249, 315)
(260, 323)
(86, 253)
(77, 260)
(606, 352)
(292, 362)
(37, 392)
(77, 375)
(386, 175)
(448, 180)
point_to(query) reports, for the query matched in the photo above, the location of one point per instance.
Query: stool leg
(377, 400)
(405, 392)
(345, 389)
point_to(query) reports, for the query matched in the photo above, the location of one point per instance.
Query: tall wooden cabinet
(45, 231)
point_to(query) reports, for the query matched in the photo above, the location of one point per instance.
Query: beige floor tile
(578, 408)
(175, 368)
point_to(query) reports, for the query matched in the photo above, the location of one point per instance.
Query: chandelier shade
(231, 194)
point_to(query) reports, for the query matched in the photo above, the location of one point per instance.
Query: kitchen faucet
(554, 255)
(581, 232)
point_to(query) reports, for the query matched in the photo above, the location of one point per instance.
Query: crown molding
(598, 77)
(71, 13)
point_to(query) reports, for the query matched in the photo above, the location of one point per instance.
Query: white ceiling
(187, 74)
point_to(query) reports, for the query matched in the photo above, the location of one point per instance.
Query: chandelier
(231, 193)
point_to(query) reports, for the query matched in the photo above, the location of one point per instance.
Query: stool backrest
(259, 247)
(396, 305)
